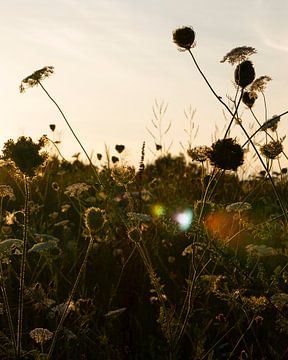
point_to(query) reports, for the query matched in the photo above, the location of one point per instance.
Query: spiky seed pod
(249, 98)
(244, 74)
(94, 219)
(226, 154)
(184, 37)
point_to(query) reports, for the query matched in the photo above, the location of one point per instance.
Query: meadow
(179, 258)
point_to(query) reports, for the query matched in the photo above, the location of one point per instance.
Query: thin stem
(68, 302)
(74, 134)
(23, 268)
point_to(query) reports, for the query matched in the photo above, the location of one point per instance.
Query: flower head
(244, 74)
(239, 54)
(271, 123)
(34, 79)
(184, 37)
(272, 149)
(249, 98)
(25, 154)
(94, 219)
(75, 190)
(123, 175)
(6, 190)
(198, 153)
(40, 335)
(260, 83)
(226, 154)
(119, 148)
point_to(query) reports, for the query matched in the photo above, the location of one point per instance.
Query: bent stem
(23, 268)
(68, 302)
(75, 136)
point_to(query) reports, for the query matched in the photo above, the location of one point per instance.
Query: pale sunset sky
(113, 58)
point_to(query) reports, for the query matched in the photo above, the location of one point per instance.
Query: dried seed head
(6, 190)
(271, 123)
(184, 37)
(272, 150)
(123, 175)
(52, 127)
(119, 148)
(94, 219)
(226, 154)
(244, 74)
(239, 54)
(249, 98)
(25, 154)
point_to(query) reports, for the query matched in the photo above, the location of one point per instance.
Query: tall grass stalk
(23, 267)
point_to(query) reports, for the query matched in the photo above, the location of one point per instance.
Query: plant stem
(23, 267)
(68, 302)
(74, 134)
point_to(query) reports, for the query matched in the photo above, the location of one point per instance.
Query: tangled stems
(245, 132)
(23, 267)
(75, 136)
(68, 302)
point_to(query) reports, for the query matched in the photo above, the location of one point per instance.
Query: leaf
(43, 246)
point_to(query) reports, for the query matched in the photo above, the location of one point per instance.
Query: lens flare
(158, 210)
(184, 219)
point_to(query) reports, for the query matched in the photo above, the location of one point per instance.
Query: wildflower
(249, 98)
(226, 154)
(123, 175)
(94, 219)
(259, 250)
(40, 335)
(259, 84)
(6, 190)
(271, 123)
(25, 154)
(184, 37)
(279, 300)
(244, 74)
(119, 148)
(77, 189)
(198, 153)
(55, 186)
(272, 150)
(52, 127)
(34, 79)
(256, 303)
(239, 54)
(10, 218)
(238, 206)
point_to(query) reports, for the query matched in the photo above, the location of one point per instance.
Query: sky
(114, 59)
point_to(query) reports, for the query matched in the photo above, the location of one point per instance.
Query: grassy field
(180, 258)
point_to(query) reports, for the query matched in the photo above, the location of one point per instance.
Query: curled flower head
(272, 150)
(271, 123)
(249, 98)
(184, 37)
(244, 74)
(260, 83)
(34, 79)
(226, 154)
(94, 219)
(198, 153)
(25, 154)
(239, 54)
(40, 335)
